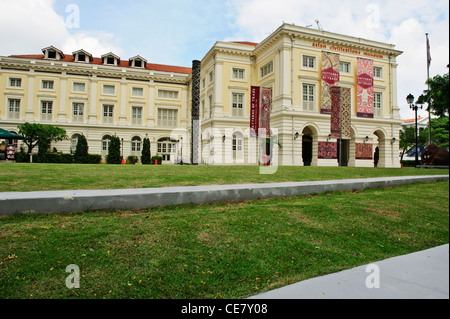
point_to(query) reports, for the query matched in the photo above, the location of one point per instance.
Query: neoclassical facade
(333, 100)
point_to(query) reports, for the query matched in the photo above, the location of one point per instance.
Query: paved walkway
(422, 275)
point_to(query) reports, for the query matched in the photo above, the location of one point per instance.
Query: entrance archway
(379, 148)
(307, 146)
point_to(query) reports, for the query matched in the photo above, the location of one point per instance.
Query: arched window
(74, 142)
(106, 140)
(238, 146)
(167, 148)
(136, 146)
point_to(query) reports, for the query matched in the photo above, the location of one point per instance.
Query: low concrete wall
(83, 200)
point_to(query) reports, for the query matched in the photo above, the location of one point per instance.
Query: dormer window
(53, 53)
(110, 59)
(138, 62)
(82, 56)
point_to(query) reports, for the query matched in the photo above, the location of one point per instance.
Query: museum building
(330, 100)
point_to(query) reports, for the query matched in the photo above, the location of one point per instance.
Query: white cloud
(26, 26)
(401, 23)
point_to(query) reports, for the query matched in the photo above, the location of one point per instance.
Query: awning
(7, 135)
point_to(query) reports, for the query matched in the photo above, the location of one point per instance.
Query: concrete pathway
(422, 275)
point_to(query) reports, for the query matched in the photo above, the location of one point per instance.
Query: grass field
(36, 177)
(225, 250)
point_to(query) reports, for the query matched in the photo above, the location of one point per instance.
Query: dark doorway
(307, 147)
(343, 152)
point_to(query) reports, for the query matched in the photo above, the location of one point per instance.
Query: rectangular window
(48, 85)
(137, 92)
(78, 112)
(136, 115)
(14, 109)
(79, 87)
(345, 67)
(15, 83)
(309, 62)
(377, 105)
(46, 111)
(308, 97)
(267, 69)
(238, 105)
(238, 74)
(378, 72)
(109, 89)
(211, 76)
(167, 118)
(108, 114)
(210, 106)
(168, 94)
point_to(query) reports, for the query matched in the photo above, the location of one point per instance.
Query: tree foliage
(437, 95)
(81, 154)
(114, 156)
(146, 156)
(38, 134)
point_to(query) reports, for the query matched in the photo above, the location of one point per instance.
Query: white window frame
(237, 105)
(46, 105)
(109, 86)
(169, 92)
(136, 146)
(135, 89)
(75, 84)
(375, 75)
(310, 57)
(108, 114)
(14, 114)
(238, 74)
(378, 105)
(343, 71)
(167, 118)
(47, 82)
(136, 117)
(15, 78)
(266, 70)
(309, 106)
(77, 118)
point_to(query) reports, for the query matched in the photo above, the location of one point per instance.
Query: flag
(428, 52)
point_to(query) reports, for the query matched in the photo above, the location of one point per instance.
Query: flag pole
(428, 77)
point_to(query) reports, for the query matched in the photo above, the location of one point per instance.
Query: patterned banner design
(364, 151)
(265, 109)
(335, 111)
(330, 76)
(346, 98)
(365, 88)
(254, 112)
(341, 116)
(328, 150)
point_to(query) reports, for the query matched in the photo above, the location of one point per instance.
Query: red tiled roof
(246, 43)
(122, 63)
(412, 120)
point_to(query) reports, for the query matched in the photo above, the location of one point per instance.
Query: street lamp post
(415, 107)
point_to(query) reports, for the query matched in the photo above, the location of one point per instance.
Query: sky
(176, 32)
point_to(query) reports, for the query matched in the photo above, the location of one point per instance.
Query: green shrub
(146, 158)
(132, 159)
(157, 158)
(94, 158)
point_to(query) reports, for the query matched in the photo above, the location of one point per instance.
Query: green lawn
(35, 177)
(225, 250)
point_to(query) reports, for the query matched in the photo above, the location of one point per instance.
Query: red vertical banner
(365, 88)
(335, 111)
(254, 111)
(265, 109)
(330, 76)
